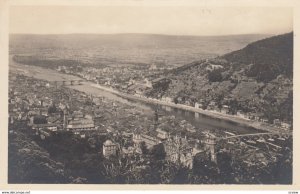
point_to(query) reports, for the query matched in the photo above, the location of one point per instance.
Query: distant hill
(257, 78)
(270, 57)
(129, 48)
(276, 49)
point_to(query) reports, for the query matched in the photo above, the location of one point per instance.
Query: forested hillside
(257, 79)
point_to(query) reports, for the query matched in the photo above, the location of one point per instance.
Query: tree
(181, 176)
(233, 106)
(271, 112)
(215, 76)
(224, 161)
(283, 168)
(204, 170)
(286, 108)
(158, 152)
(175, 100)
(52, 109)
(40, 119)
(116, 170)
(168, 173)
(144, 148)
(219, 100)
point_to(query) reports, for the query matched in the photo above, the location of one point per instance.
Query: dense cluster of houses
(120, 78)
(33, 102)
(30, 101)
(132, 80)
(225, 109)
(37, 104)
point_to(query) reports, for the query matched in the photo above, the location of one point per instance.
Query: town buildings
(81, 115)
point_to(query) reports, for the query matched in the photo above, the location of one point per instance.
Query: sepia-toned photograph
(160, 94)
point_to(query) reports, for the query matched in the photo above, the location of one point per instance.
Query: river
(200, 121)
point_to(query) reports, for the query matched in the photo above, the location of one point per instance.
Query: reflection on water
(205, 122)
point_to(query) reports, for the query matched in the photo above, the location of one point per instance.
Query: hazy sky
(158, 20)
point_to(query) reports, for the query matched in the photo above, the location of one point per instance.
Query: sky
(199, 21)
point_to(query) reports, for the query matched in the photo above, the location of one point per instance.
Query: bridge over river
(267, 134)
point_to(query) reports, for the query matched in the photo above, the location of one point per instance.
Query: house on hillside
(225, 109)
(286, 125)
(198, 105)
(256, 116)
(241, 114)
(277, 122)
(166, 99)
(212, 105)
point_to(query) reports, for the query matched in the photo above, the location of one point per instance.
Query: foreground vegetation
(65, 158)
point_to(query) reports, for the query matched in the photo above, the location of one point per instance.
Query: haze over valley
(128, 49)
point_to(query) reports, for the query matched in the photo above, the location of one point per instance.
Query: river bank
(51, 75)
(213, 114)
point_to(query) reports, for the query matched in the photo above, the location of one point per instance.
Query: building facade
(178, 151)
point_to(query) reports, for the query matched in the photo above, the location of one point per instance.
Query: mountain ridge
(255, 79)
